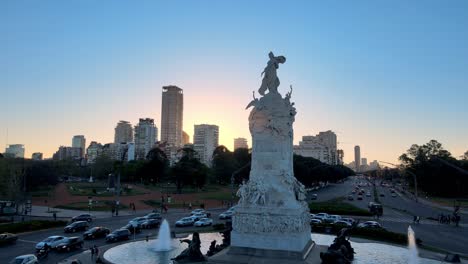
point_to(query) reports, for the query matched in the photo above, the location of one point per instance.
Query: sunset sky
(381, 74)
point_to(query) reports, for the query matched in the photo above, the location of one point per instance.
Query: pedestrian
(92, 253)
(55, 216)
(134, 209)
(414, 219)
(190, 206)
(417, 219)
(113, 211)
(96, 251)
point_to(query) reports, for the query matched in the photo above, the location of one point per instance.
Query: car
(315, 221)
(82, 217)
(368, 194)
(312, 216)
(7, 238)
(95, 232)
(196, 211)
(186, 221)
(394, 195)
(132, 227)
(313, 196)
(153, 216)
(342, 223)
(350, 198)
(69, 244)
(392, 190)
(204, 222)
(198, 216)
(118, 235)
(332, 218)
(370, 224)
(359, 197)
(150, 223)
(76, 226)
(382, 195)
(353, 192)
(51, 241)
(25, 259)
(226, 215)
(138, 220)
(349, 220)
(321, 216)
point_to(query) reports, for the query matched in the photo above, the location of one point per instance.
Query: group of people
(447, 219)
(416, 219)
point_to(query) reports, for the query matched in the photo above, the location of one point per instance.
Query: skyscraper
(15, 151)
(146, 134)
(123, 132)
(79, 141)
(205, 140)
(93, 151)
(172, 109)
(240, 143)
(357, 158)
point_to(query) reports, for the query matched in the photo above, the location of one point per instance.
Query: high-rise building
(79, 141)
(172, 109)
(115, 151)
(374, 165)
(323, 147)
(357, 158)
(205, 140)
(36, 156)
(123, 132)
(15, 151)
(65, 153)
(93, 151)
(185, 138)
(340, 154)
(240, 143)
(146, 135)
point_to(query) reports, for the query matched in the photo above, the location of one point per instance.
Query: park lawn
(337, 206)
(42, 191)
(174, 204)
(97, 206)
(224, 195)
(99, 189)
(172, 188)
(27, 226)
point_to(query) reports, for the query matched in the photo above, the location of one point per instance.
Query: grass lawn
(99, 189)
(175, 204)
(171, 188)
(219, 196)
(42, 191)
(97, 206)
(337, 206)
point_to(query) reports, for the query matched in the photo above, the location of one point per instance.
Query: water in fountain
(412, 248)
(163, 243)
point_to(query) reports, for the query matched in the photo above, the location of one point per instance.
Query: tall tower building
(357, 158)
(172, 116)
(240, 143)
(79, 141)
(146, 134)
(205, 140)
(123, 132)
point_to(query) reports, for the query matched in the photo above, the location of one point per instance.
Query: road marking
(28, 241)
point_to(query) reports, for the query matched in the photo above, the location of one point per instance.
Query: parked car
(51, 241)
(82, 217)
(150, 223)
(350, 198)
(7, 238)
(186, 221)
(25, 259)
(153, 216)
(76, 226)
(342, 223)
(70, 243)
(226, 215)
(198, 216)
(394, 195)
(376, 209)
(132, 227)
(315, 221)
(196, 211)
(95, 232)
(332, 218)
(118, 235)
(359, 197)
(204, 222)
(349, 220)
(382, 195)
(368, 194)
(370, 224)
(313, 196)
(321, 216)
(137, 220)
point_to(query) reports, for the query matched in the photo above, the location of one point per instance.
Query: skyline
(396, 76)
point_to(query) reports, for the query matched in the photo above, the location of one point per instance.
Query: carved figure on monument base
(192, 253)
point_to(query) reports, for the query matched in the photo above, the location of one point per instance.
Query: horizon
(394, 77)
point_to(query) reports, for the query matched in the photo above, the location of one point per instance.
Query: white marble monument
(272, 217)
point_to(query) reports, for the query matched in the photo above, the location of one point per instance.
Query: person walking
(92, 253)
(190, 206)
(96, 251)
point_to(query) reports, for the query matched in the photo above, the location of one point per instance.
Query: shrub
(27, 226)
(219, 226)
(337, 207)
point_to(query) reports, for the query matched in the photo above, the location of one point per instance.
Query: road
(26, 242)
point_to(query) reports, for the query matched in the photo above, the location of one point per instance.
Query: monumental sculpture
(272, 214)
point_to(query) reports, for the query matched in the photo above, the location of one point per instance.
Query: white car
(52, 241)
(204, 222)
(321, 216)
(186, 221)
(198, 216)
(25, 259)
(333, 218)
(226, 215)
(196, 211)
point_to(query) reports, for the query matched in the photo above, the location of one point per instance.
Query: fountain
(163, 243)
(412, 248)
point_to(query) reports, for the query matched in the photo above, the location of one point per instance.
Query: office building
(357, 158)
(79, 141)
(93, 151)
(68, 153)
(36, 156)
(323, 147)
(240, 143)
(205, 140)
(146, 135)
(123, 132)
(185, 138)
(15, 151)
(172, 109)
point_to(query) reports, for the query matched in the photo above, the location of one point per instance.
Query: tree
(224, 164)
(465, 156)
(189, 171)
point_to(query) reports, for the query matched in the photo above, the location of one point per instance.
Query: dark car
(7, 238)
(382, 195)
(118, 235)
(150, 223)
(69, 244)
(153, 216)
(82, 217)
(132, 228)
(350, 198)
(313, 196)
(95, 232)
(76, 226)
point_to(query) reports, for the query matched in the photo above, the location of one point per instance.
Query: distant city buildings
(68, 153)
(123, 132)
(14, 151)
(36, 156)
(205, 140)
(185, 138)
(374, 165)
(323, 147)
(146, 135)
(340, 154)
(79, 141)
(240, 143)
(357, 158)
(93, 151)
(172, 110)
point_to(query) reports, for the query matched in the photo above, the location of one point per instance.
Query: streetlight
(412, 174)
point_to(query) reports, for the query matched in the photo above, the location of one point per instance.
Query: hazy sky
(381, 74)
